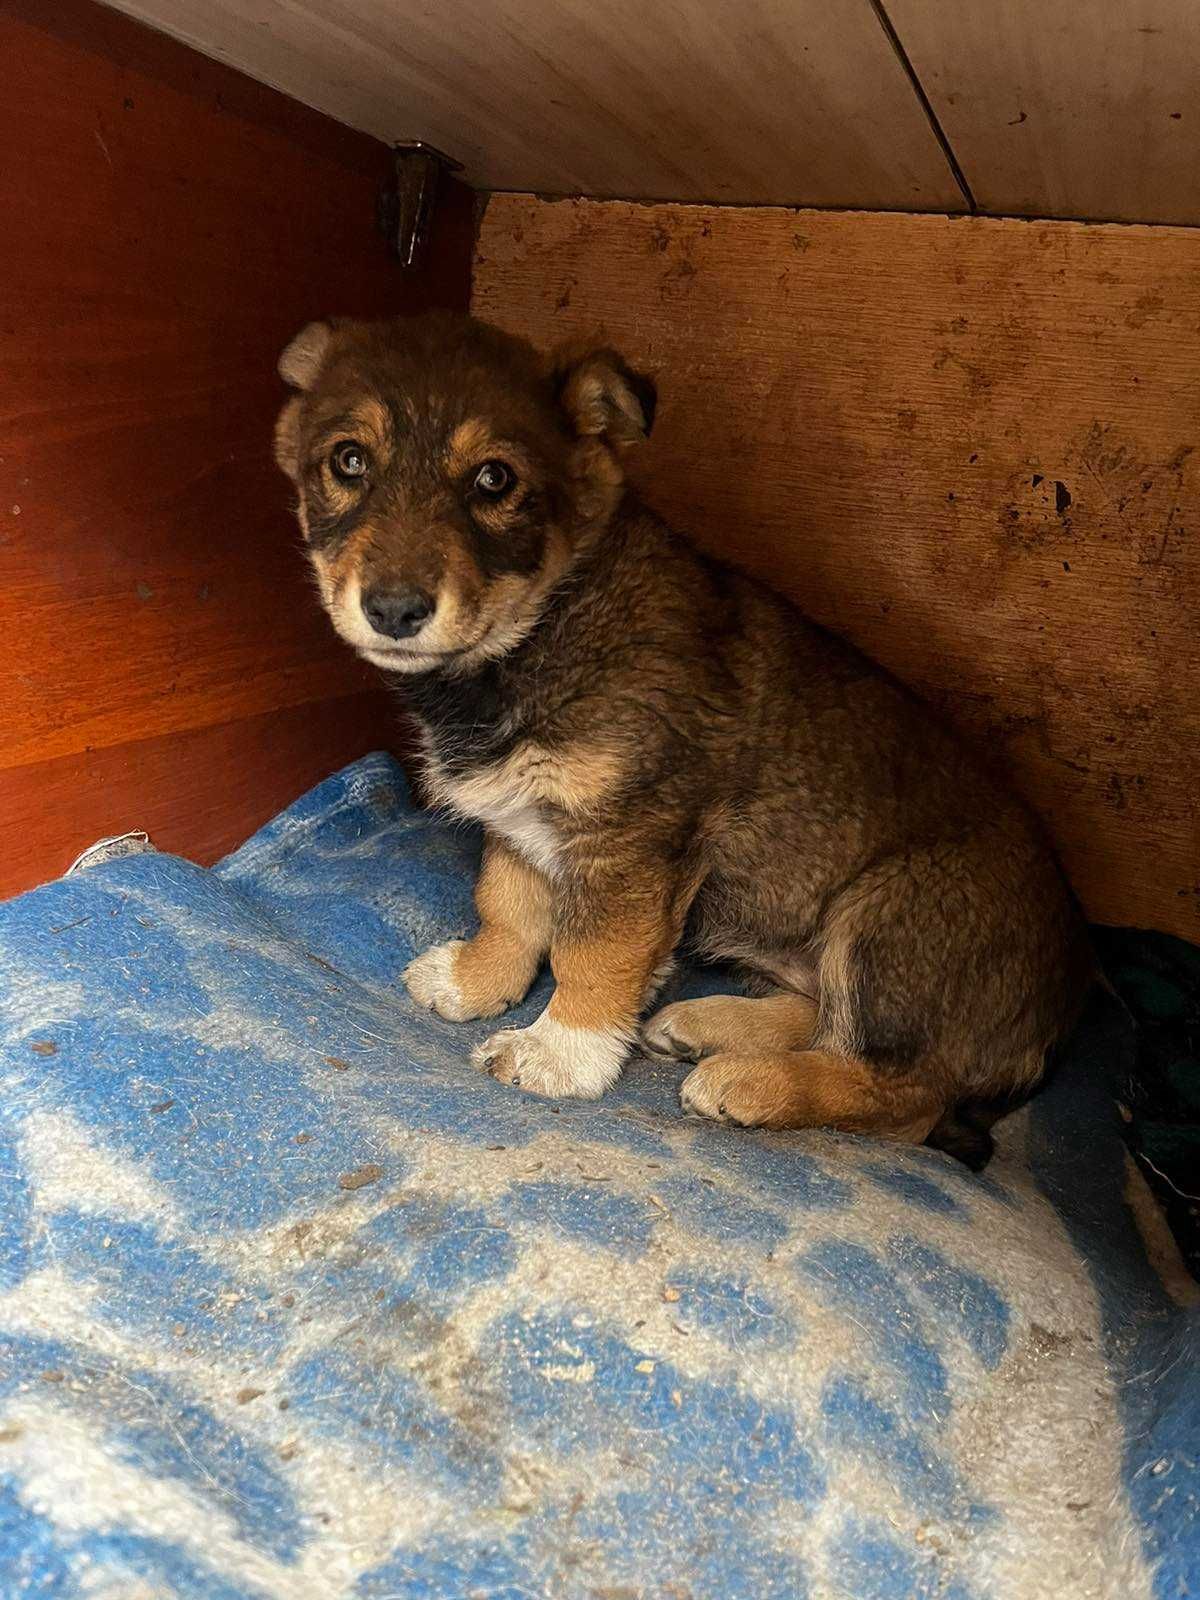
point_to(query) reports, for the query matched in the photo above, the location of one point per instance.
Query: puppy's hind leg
(810, 1089)
(690, 1029)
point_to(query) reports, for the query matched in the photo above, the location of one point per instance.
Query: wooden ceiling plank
(737, 101)
(1057, 109)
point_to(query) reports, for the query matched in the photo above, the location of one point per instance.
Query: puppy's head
(447, 478)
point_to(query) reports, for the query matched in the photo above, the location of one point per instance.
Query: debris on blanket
(136, 842)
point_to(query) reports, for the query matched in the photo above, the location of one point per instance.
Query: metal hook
(406, 211)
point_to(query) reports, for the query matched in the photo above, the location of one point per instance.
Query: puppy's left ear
(604, 397)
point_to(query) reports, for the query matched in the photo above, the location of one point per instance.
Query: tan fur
(300, 364)
(370, 422)
(810, 1089)
(471, 443)
(690, 1029)
(585, 398)
(836, 980)
(598, 480)
(495, 969)
(602, 976)
(524, 798)
(287, 438)
(584, 778)
(576, 780)
(597, 396)
(336, 570)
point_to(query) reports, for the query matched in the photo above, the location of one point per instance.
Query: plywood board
(168, 225)
(968, 445)
(1062, 109)
(785, 101)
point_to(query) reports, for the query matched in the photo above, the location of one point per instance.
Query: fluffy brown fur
(659, 746)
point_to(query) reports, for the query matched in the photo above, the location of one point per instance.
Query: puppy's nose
(397, 613)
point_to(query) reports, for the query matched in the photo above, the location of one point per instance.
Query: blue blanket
(296, 1304)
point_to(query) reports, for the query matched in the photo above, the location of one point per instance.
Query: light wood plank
(784, 101)
(969, 445)
(1058, 108)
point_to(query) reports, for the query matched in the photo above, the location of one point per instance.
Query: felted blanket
(296, 1304)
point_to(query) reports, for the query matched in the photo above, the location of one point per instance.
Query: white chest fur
(512, 799)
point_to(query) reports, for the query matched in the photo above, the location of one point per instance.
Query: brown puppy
(652, 741)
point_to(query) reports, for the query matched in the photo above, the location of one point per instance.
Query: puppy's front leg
(612, 930)
(483, 976)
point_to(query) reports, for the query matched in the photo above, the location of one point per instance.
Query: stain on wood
(968, 445)
(168, 225)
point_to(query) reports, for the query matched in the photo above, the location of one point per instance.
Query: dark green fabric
(1158, 1081)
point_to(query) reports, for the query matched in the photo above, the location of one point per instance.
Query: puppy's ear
(301, 362)
(287, 438)
(299, 365)
(603, 396)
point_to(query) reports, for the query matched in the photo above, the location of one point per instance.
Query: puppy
(656, 745)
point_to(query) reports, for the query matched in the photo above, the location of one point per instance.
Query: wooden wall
(167, 225)
(969, 445)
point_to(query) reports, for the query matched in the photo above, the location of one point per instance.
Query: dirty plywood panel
(783, 101)
(1059, 109)
(969, 445)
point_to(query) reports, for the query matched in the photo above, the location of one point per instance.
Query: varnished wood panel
(1066, 109)
(199, 792)
(968, 445)
(787, 101)
(167, 226)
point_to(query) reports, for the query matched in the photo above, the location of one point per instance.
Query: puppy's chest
(534, 798)
(513, 797)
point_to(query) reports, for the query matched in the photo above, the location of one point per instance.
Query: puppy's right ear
(287, 438)
(301, 363)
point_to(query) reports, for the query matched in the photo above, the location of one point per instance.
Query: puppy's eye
(493, 480)
(348, 460)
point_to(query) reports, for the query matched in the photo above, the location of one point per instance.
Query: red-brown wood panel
(197, 792)
(167, 225)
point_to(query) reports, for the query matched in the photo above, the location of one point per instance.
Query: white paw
(431, 982)
(549, 1059)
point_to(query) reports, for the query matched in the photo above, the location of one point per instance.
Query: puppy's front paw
(552, 1060)
(432, 981)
